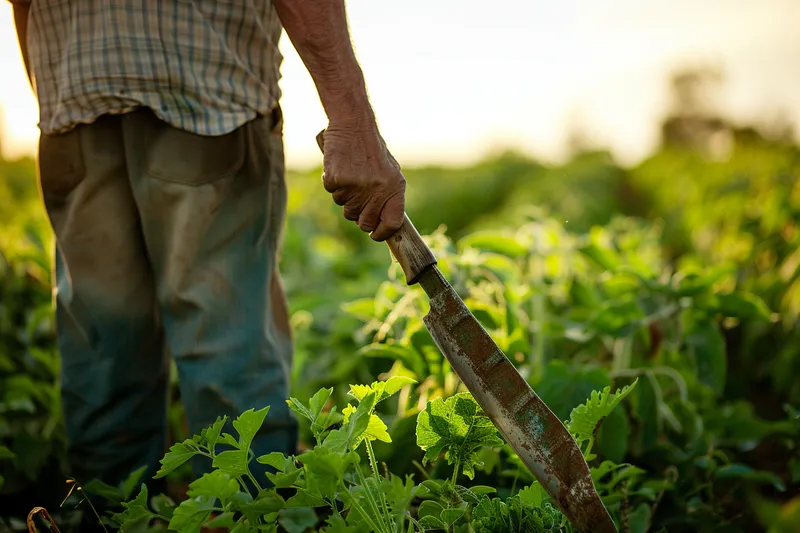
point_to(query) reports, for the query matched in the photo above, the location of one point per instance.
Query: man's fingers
(391, 218)
(370, 216)
(341, 196)
(351, 212)
(329, 182)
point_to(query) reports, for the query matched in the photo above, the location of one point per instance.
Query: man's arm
(359, 171)
(21, 10)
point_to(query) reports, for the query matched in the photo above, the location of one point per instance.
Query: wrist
(348, 106)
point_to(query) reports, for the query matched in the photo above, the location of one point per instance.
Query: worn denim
(167, 245)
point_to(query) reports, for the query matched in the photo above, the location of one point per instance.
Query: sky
(454, 80)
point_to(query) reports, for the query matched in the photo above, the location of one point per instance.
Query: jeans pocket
(179, 156)
(60, 164)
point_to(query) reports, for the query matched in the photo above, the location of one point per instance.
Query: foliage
(326, 486)
(459, 427)
(31, 433)
(678, 275)
(585, 420)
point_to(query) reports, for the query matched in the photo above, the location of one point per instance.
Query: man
(162, 171)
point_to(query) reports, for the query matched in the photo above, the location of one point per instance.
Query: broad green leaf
(191, 514)
(336, 524)
(376, 429)
(267, 501)
(744, 472)
(362, 308)
(230, 440)
(304, 498)
(481, 490)
(457, 426)
(745, 305)
(346, 437)
(216, 483)
(467, 495)
(400, 495)
(382, 389)
(585, 419)
(491, 516)
(408, 355)
(275, 459)
(495, 241)
(233, 462)
(135, 511)
(639, 519)
(325, 469)
(288, 472)
(452, 515)
(515, 514)
(179, 453)
(612, 436)
(533, 495)
(433, 486)
(163, 505)
(224, 520)
(297, 520)
(212, 434)
(131, 482)
(248, 424)
(319, 420)
(432, 522)
(102, 489)
(430, 508)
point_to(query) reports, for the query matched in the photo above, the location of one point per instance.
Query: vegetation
(655, 309)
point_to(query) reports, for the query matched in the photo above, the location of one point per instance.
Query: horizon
(537, 74)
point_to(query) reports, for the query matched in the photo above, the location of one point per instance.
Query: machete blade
(527, 424)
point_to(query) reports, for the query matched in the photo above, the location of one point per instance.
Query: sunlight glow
(451, 81)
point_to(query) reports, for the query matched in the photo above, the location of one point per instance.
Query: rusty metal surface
(528, 425)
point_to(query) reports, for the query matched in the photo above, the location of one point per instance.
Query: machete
(528, 425)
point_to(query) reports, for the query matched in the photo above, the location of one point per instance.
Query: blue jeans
(167, 245)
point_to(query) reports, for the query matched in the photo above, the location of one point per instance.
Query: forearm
(21, 10)
(318, 31)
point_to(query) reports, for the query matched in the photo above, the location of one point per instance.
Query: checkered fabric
(205, 66)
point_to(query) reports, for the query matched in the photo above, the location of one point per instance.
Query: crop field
(653, 308)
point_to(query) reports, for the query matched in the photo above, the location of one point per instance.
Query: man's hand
(363, 177)
(360, 172)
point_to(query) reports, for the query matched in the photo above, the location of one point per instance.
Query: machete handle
(406, 244)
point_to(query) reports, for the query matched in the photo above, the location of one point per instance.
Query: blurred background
(613, 186)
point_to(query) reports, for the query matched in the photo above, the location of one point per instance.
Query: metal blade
(528, 425)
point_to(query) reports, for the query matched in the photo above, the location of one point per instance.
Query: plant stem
(455, 472)
(371, 499)
(374, 464)
(244, 486)
(421, 469)
(253, 479)
(354, 502)
(85, 497)
(538, 311)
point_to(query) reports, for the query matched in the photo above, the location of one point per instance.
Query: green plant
(330, 487)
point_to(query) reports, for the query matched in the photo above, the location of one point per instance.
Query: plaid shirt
(206, 66)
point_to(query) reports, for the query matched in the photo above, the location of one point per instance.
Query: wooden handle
(406, 244)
